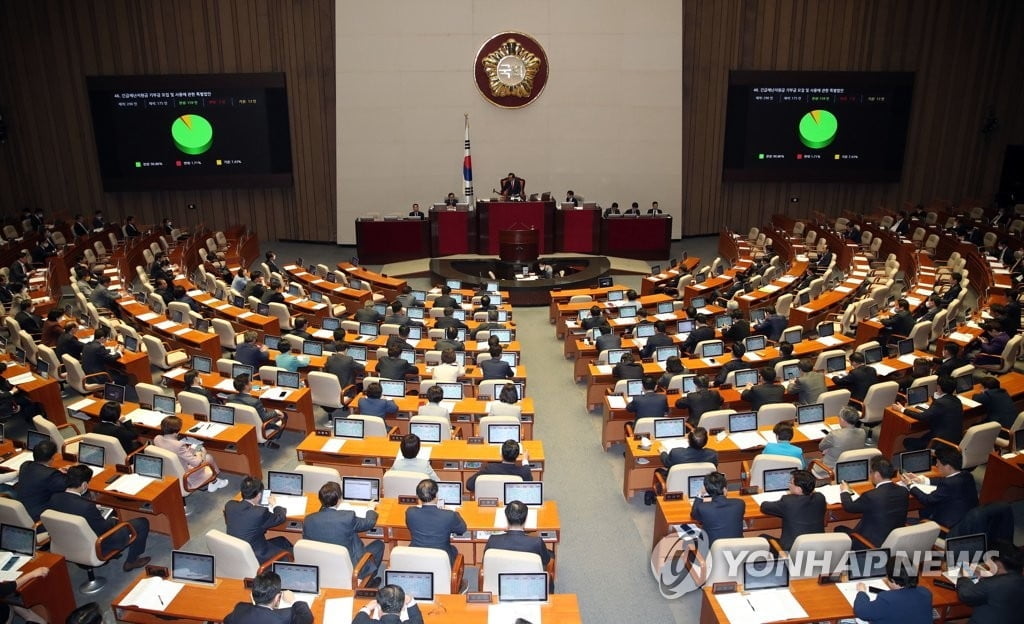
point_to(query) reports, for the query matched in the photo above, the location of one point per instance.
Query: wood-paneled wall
(968, 61)
(47, 48)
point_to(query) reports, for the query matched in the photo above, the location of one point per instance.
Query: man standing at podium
(512, 186)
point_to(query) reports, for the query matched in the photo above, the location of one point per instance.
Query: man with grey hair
(848, 437)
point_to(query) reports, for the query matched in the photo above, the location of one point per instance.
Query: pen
(750, 605)
(160, 598)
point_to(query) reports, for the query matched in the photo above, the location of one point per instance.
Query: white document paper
(667, 446)
(501, 522)
(22, 378)
(769, 497)
(883, 369)
(294, 505)
(747, 439)
(152, 593)
(15, 462)
(148, 316)
(776, 604)
(145, 417)
(174, 372)
(770, 288)
(665, 316)
(338, 610)
(182, 331)
(211, 429)
(968, 403)
(907, 359)
(616, 401)
(511, 612)
(849, 591)
(769, 436)
(245, 315)
(332, 445)
(166, 324)
(961, 336)
(812, 431)
(194, 292)
(830, 492)
(274, 393)
(130, 484)
(927, 488)
(604, 369)
(829, 341)
(226, 384)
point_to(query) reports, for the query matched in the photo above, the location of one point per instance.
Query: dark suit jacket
(883, 509)
(732, 365)
(500, 468)
(857, 381)
(432, 527)
(250, 523)
(415, 617)
(900, 323)
(608, 341)
(772, 327)
(19, 273)
(763, 394)
(368, 315)
(657, 340)
(946, 368)
(900, 606)
(96, 358)
(344, 367)
(66, 502)
(739, 330)
(998, 405)
(395, 368)
(953, 497)
(496, 369)
(720, 518)
(341, 527)
(648, 405)
(699, 402)
(124, 432)
(444, 301)
(449, 321)
(249, 353)
(521, 542)
(37, 482)
(32, 323)
(994, 598)
(945, 417)
(698, 335)
(628, 371)
(70, 344)
(800, 515)
(689, 455)
(248, 613)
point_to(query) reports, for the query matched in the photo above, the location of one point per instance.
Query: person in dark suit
(38, 480)
(953, 291)
(955, 492)
(69, 343)
(882, 508)
(367, 314)
(951, 360)
(772, 326)
(111, 425)
(719, 516)
(627, 368)
(702, 331)
(392, 606)
(71, 501)
(20, 269)
(904, 603)
(194, 384)
(596, 319)
(802, 510)
(613, 209)
(765, 392)
(448, 319)
(392, 366)
(996, 402)
(607, 339)
(274, 293)
(654, 209)
(860, 378)
(659, 339)
(430, 524)
(130, 229)
(96, 359)
(416, 213)
(700, 400)
(995, 598)
(265, 606)
(79, 228)
(249, 522)
(634, 209)
(515, 537)
(342, 527)
(824, 260)
(507, 466)
(102, 297)
(930, 308)
(1008, 314)
(496, 368)
(694, 453)
(512, 186)
(945, 417)
(341, 365)
(739, 329)
(373, 405)
(650, 404)
(251, 353)
(28, 319)
(738, 350)
(445, 299)
(899, 324)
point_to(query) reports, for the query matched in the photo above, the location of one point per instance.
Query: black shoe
(138, 563)
(374, 582)
(648, 498)
(270, 444)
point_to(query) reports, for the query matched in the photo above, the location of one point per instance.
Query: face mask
(936, 395)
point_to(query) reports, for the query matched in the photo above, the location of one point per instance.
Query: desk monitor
(967, 549)
(189, 567)
(805, 298)
(451, 391)
(669, 428)
(19, 355)
(392, 388)
(873, 309)
(790, 372)
(810, 413)
(905, 347)
(140, 297)
(332, 277)
(723, 321)
(662, 354)
(360, 489)
(1018, 440)
(755, 343)
(867, 564)
(461, 355)
(427, 432)
(503, 316)
(1, 432)
(289, 483)
(497, 434)
(917, 395)
(454, 284)
(316, 296)
(520, 390)
(491, 287)
(694, 485)
(826, 329)
(286, 379)
(835, 363)
(854, 471)
(715, 348)
(698, 302)
(504, 335)
(459, 315)
(380, 308)
(450, 492)
(272, 342)
(616, 295)
(916, 461)
(684, 326)
(202, 325)
(419, 585)
(644, 330)
(238, 301)
(777, 480)
(350, 428)
(408, 355)
(522, 587)
(757, 315)
(665, 307)
(178, 316)
(765, 574)
(312, 347)
(18, 540)
(130, 344)
(369, 329)
(298, 578)
(744, 377)
(604, 282)
(419, 295)
(655, 269)
(793, 336)
(263, 309)
(33, 437)
(415, 312)
(627, 312)
(149, 466)
(356, 353)
(113, 392)
(495, 299)
(614, 355)
(223, 414)
(242, 369)
(700, 278)
(530, 493)
(742, 421)
(689, 383)
(202, 364)
(329, 323)
(964, 383)
(295, 290)
(873, 355)
(91, 454)
(634, 387)
(415, 332)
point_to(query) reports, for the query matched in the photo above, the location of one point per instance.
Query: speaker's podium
(519, 246)
(495, 217)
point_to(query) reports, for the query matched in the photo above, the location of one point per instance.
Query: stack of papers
(145, 417)
(130, 484)
(273, 393)
(604, 369)
(757, 607)
(165, 324)
(245, 315)
(813, 431)
(152, 593)
(968, 403)
(182, 331)
(961, 337)
(148, 316)
(174, 372)
(15, 462)
(332, 445)
(667, 446)
(22, 378)
(293, 505)
(227, 384)
(665, 316)
(849, 591)
(907, 359)
(194, 292)
(747, 439)
(829, 341)
(830, 492)
(512, 612)
(883, 369)
(338, 610)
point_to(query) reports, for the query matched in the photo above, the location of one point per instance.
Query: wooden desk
(52, 596)
(453, 460)
(390, 287)
(1004, 479)
(159, 502)
(465, 415)
(43, 391)
(241, 319)
(195, 342)
(668, 277)
(351, 297)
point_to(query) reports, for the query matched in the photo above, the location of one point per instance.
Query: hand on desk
(526, 458)
(287, 596)
(844, 487)
(861, 587)
(30, 576)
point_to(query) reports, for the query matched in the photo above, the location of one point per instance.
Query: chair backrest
(499, 561)
(13, 512)
(444, 421)
(325, 388)
(726, 554)
(235, 558)
(715, 419)
(491, 387)
(644, 426)
(978, 443)
(774, 413)
(192, 403)
(932, 381)
(147, 391)
(71, 537)
(780, 366)
(916, 538)
(878, 397)
(939, 324)
(834, 400)
(172, 465)
(401, 483)
(225, 333)
(770, 462)
(678, 479)
(333, 560)
(280, 312)
(113, 452)
(855, 454)
(76, 376)
(819, 364)
(373, 426)
(493, 486)
(1010, 354)
(415, 559)
(157, 351)
(247, 415)
(783, 303)
(813, 554)
(487, 421)
(44, 425)
(314, 477)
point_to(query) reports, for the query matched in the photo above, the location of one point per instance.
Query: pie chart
(192, 134)
(818, 129)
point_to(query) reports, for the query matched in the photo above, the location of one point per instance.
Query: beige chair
(499, 561)
(878, 397)
(1007, 441)
(280, 312)
(174, 468)
(774, 413)
(147, 391)
(446, 425)
(727, 555)
(917, 538)
(224, 366)
(13, 512)
(266, 431)
(447, 577)
(976, 445)
(315, 477)
(678, 479)
(60, 434)
(373, 426)
(268, 374)
(113, 453)
(715, 419)
(1007, 358)
(487, 421)
(400, 483)
(932, 381)
(823, 472)
(325, 389)
(235, 558)
(819, 363)
(493, 486)
(78, 380)
(334, 562)
(160, 357)
(72, 538)
(491, 388)
(834, 400)
(194, 404)
(229, 338)
(814, 554)
(752, 474)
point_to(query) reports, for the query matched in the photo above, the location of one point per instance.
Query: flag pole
(467, 168)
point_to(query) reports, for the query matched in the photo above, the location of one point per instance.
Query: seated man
(251, 353)
(342, 527)
(391, 607)
(265, 607)
(783, 444)
(765, 392)
(243, 396)
(650, 404)
(700, 400)
(495, 367)
(430, 525)
(945, 417)
(249, 522)
(392, 366)
(607, 339)
(809, 385)
(96, 359)
(736, 363)
(410, 460)
(71, 501)
(719, 516)
(450, 341)
(692, 454)
(111, 425)
(38, 480)
(848, 437)
(627, 368)
(659, 339)
(996, 402)
(994, 598)
(515, 537)
(802, 510)
(371, 404)
(955, 492)
(434, 407)
(882, 508)
(903, 602)
(507, 465)
(860, 378)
